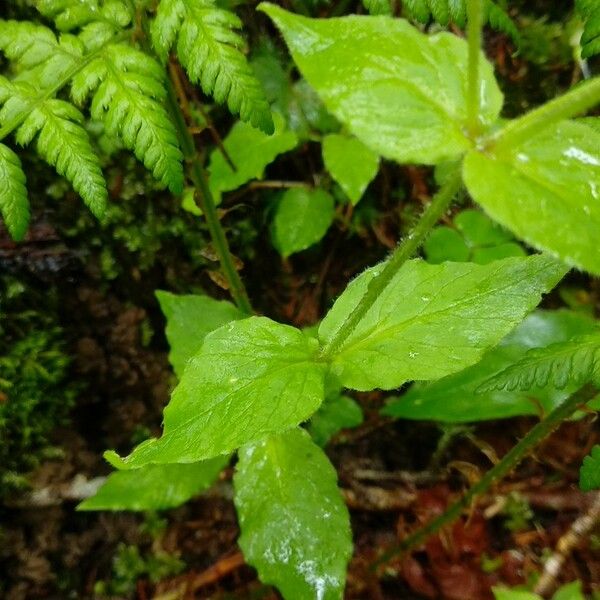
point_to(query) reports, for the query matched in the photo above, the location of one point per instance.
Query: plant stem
(474, 26)
(507, 464)
(576, 101)
(206, 203)
(438, 206)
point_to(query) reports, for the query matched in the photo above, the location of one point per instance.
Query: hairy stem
(507, 464)
(438, 206)
(576, 101)
(474, 26)
(206, 203)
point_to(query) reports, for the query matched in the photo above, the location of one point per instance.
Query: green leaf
(302, 218)
(399, 91)
(590, 39)
(457, 398)
(378, 7)
(211, 50)
(295, 527)
(549, 183)
(479, 230)
(444, 244)
(434, 320)
(128, 90)
(155, 487)
(483, 256)
(350, 163)
(190, 318)
(251, 378)
(574, 361)
(508, 594)
(61, 139)
(251, 151)
(14, 204)
(336, 413)
(589, 476)
(569, 591)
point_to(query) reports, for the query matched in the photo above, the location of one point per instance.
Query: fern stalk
(438, 206)
(474, 26)
(512, 458)
(206, 203)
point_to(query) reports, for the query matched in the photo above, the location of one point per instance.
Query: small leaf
(294, 523)
(457, 398)
(433, 320)
(508, 594)
(569, 591)
(336, 413)
(251, 378)
(444, 244)
(548, 184)
(589, 476)
(350, 163)
(155, 487)
(14, 204)
(399, 91)
(251, 151)
(190, 318)
(480, 230)
(302, 218)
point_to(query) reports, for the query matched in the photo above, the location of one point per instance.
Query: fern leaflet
(128, 93)
(576, 361)
(210, 49)
(14, 205)
(61, 140)
(590, 39)
(455, 11)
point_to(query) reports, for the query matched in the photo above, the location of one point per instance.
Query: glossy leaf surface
(400, 92)
(155, 487)
(189, 319)
(302, 218)
(434, 320)
(294, 523)
(457, 398)
(251, 151)
(589, 476)
(350, 163)
(547, 191)
(251, 378)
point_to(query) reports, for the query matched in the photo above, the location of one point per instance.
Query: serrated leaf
(336, 413)
(589, 476)
(350, 163)
(380, 76)
(251, 378)
(211, 50)
(434, 320)
(128, 93)
(549, 183)
(457, 398)
(14, 204)
(378, 7)
(575, 361)
(155, 487)
(590, 38)
(295, 527)
(251, 151)
(190, 318)
(302, 218)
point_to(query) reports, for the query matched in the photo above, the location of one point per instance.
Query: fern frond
(576, 361)
(445, 12)
(590, 39)
(378, 7)
(128, 93)
(14, 205)
(36, 54)
(61, 140)
(210, 49)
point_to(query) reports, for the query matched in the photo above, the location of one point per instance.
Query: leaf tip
(111, 457)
